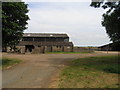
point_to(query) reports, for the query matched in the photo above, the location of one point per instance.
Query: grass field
(85, 52)
(8, 62)
(92, 72)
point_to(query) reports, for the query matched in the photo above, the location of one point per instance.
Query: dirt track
(37, 70)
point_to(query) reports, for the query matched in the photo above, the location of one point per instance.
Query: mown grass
(7, 62)
(92, 72)
(84, 52)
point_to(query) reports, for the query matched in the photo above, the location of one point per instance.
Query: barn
(110, 47)
(107, 47)
(44, 42)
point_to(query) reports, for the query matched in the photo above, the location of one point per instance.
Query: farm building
(110, 47)
(44, 42)
(106, 47)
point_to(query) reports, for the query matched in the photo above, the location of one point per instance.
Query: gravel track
(36, 70)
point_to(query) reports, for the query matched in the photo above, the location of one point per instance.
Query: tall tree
(14, 22)
(111, 19)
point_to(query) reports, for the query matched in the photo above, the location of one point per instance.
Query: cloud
(79, 20)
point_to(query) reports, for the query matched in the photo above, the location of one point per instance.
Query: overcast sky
(80, 21)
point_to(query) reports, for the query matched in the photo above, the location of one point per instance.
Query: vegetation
(84, 52)
(14, 21)
(111, 20)
(91, 72)
(8, 62)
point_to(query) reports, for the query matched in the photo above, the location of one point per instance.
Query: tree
(14, 21)
(111, 19)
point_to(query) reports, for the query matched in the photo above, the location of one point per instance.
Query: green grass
(7, 62)
(92, 72)
(84, 52)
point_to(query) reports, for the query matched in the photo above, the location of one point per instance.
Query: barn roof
(107, 45)
(44, 35)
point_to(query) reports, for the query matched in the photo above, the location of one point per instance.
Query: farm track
(38, 70)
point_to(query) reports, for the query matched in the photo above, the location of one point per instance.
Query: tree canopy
(111, 18)
(14, 22)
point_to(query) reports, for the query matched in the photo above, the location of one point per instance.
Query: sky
(77, 19)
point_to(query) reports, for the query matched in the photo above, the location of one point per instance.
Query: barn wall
(48, 49)
(68, 48)
(21, 49)
(42, 49)
(36, 50)
(56, 48)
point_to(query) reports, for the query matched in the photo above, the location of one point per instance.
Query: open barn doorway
(29, 48)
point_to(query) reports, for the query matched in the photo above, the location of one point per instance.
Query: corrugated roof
(110, 44)
(44, 35)
(23, 43)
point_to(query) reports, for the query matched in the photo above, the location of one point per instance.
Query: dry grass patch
(93, 72)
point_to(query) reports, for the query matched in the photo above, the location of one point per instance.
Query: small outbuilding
(110, 47)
